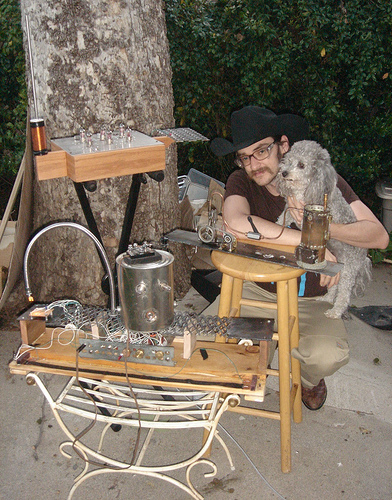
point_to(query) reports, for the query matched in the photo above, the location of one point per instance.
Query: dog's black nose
(284, 173)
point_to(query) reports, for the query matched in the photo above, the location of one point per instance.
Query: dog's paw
(333, 313)
(325, 298)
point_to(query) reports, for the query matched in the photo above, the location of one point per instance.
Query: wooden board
(145, 154)
(25, 219)
(228, 367)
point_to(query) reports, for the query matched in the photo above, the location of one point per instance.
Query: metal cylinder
(146, 291)
(315, 233)
(38, 137)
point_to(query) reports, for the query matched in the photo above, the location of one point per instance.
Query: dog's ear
(324, 177)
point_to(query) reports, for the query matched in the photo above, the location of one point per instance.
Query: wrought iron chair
(107, 404)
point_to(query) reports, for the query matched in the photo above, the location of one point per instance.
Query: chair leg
(225, 301)
(225, 296)
(236, 295)
(287, 300)
(294, 340)
(284, 375)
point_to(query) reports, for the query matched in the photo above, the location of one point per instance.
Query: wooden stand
(102, 164)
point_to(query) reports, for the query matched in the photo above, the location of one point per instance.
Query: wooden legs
(229, 303)
(284, 375)
(231, 293)
(236, 296)
(289, 368)
(294, 340)
(288, 330)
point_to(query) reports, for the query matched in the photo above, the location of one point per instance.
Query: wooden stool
(235, 270)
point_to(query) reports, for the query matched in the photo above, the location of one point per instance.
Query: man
(260, 139)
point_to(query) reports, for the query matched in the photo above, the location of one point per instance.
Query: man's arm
(236, 213)
(367, 232)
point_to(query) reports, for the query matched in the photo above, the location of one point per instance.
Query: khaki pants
(323, 346)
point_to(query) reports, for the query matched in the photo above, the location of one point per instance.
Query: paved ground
(343, 451)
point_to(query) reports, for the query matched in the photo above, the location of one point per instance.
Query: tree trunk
(99, 62)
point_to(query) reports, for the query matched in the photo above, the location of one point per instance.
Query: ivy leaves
(329, 61)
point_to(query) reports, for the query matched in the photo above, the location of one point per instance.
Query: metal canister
(315, 233)
(145, 285)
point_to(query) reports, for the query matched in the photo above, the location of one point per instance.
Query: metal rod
(31, 67)
(97, 244)
(102, 409)
(89, 216)
(137, 180)
(92, 225)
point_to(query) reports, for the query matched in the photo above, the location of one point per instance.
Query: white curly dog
(306, 172)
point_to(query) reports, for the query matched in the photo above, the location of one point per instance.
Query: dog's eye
(301, 165)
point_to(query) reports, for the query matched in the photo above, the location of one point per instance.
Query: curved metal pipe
(91, 236)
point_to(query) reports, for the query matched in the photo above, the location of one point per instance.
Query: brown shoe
(315, 397)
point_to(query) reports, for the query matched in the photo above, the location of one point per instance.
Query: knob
(141, 288)
(139, 354)
(233, 403)
(164, 286)
(151, 316)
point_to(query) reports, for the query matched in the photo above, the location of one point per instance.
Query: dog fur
(306, 172)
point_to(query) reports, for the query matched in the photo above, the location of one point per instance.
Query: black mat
(377, 316)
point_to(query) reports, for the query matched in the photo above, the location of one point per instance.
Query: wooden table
(228, 368)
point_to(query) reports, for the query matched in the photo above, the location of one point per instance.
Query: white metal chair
(105, 404)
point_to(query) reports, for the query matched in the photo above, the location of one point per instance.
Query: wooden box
(80, 162)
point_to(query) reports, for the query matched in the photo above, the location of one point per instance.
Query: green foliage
(13, 97)
(327, 60)
(377, 256)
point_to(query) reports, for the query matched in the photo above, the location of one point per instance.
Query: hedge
(13, 96)
(329, 61)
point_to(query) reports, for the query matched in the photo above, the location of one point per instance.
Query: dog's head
(306, 172)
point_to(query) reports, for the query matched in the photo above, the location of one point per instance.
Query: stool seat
(249, 269)
(235, 269)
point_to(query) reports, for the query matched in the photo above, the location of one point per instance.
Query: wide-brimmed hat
(252, 124)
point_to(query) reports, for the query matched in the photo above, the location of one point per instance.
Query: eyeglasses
(260, 154)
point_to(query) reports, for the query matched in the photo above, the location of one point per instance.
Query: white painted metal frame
(143, 407)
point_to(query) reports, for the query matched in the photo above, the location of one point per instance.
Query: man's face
(263, 172)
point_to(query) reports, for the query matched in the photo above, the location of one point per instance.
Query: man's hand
(329, 281)
(296, 209)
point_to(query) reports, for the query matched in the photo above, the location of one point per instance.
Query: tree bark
(99, 62)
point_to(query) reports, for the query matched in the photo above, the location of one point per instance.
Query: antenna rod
(31, 66)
